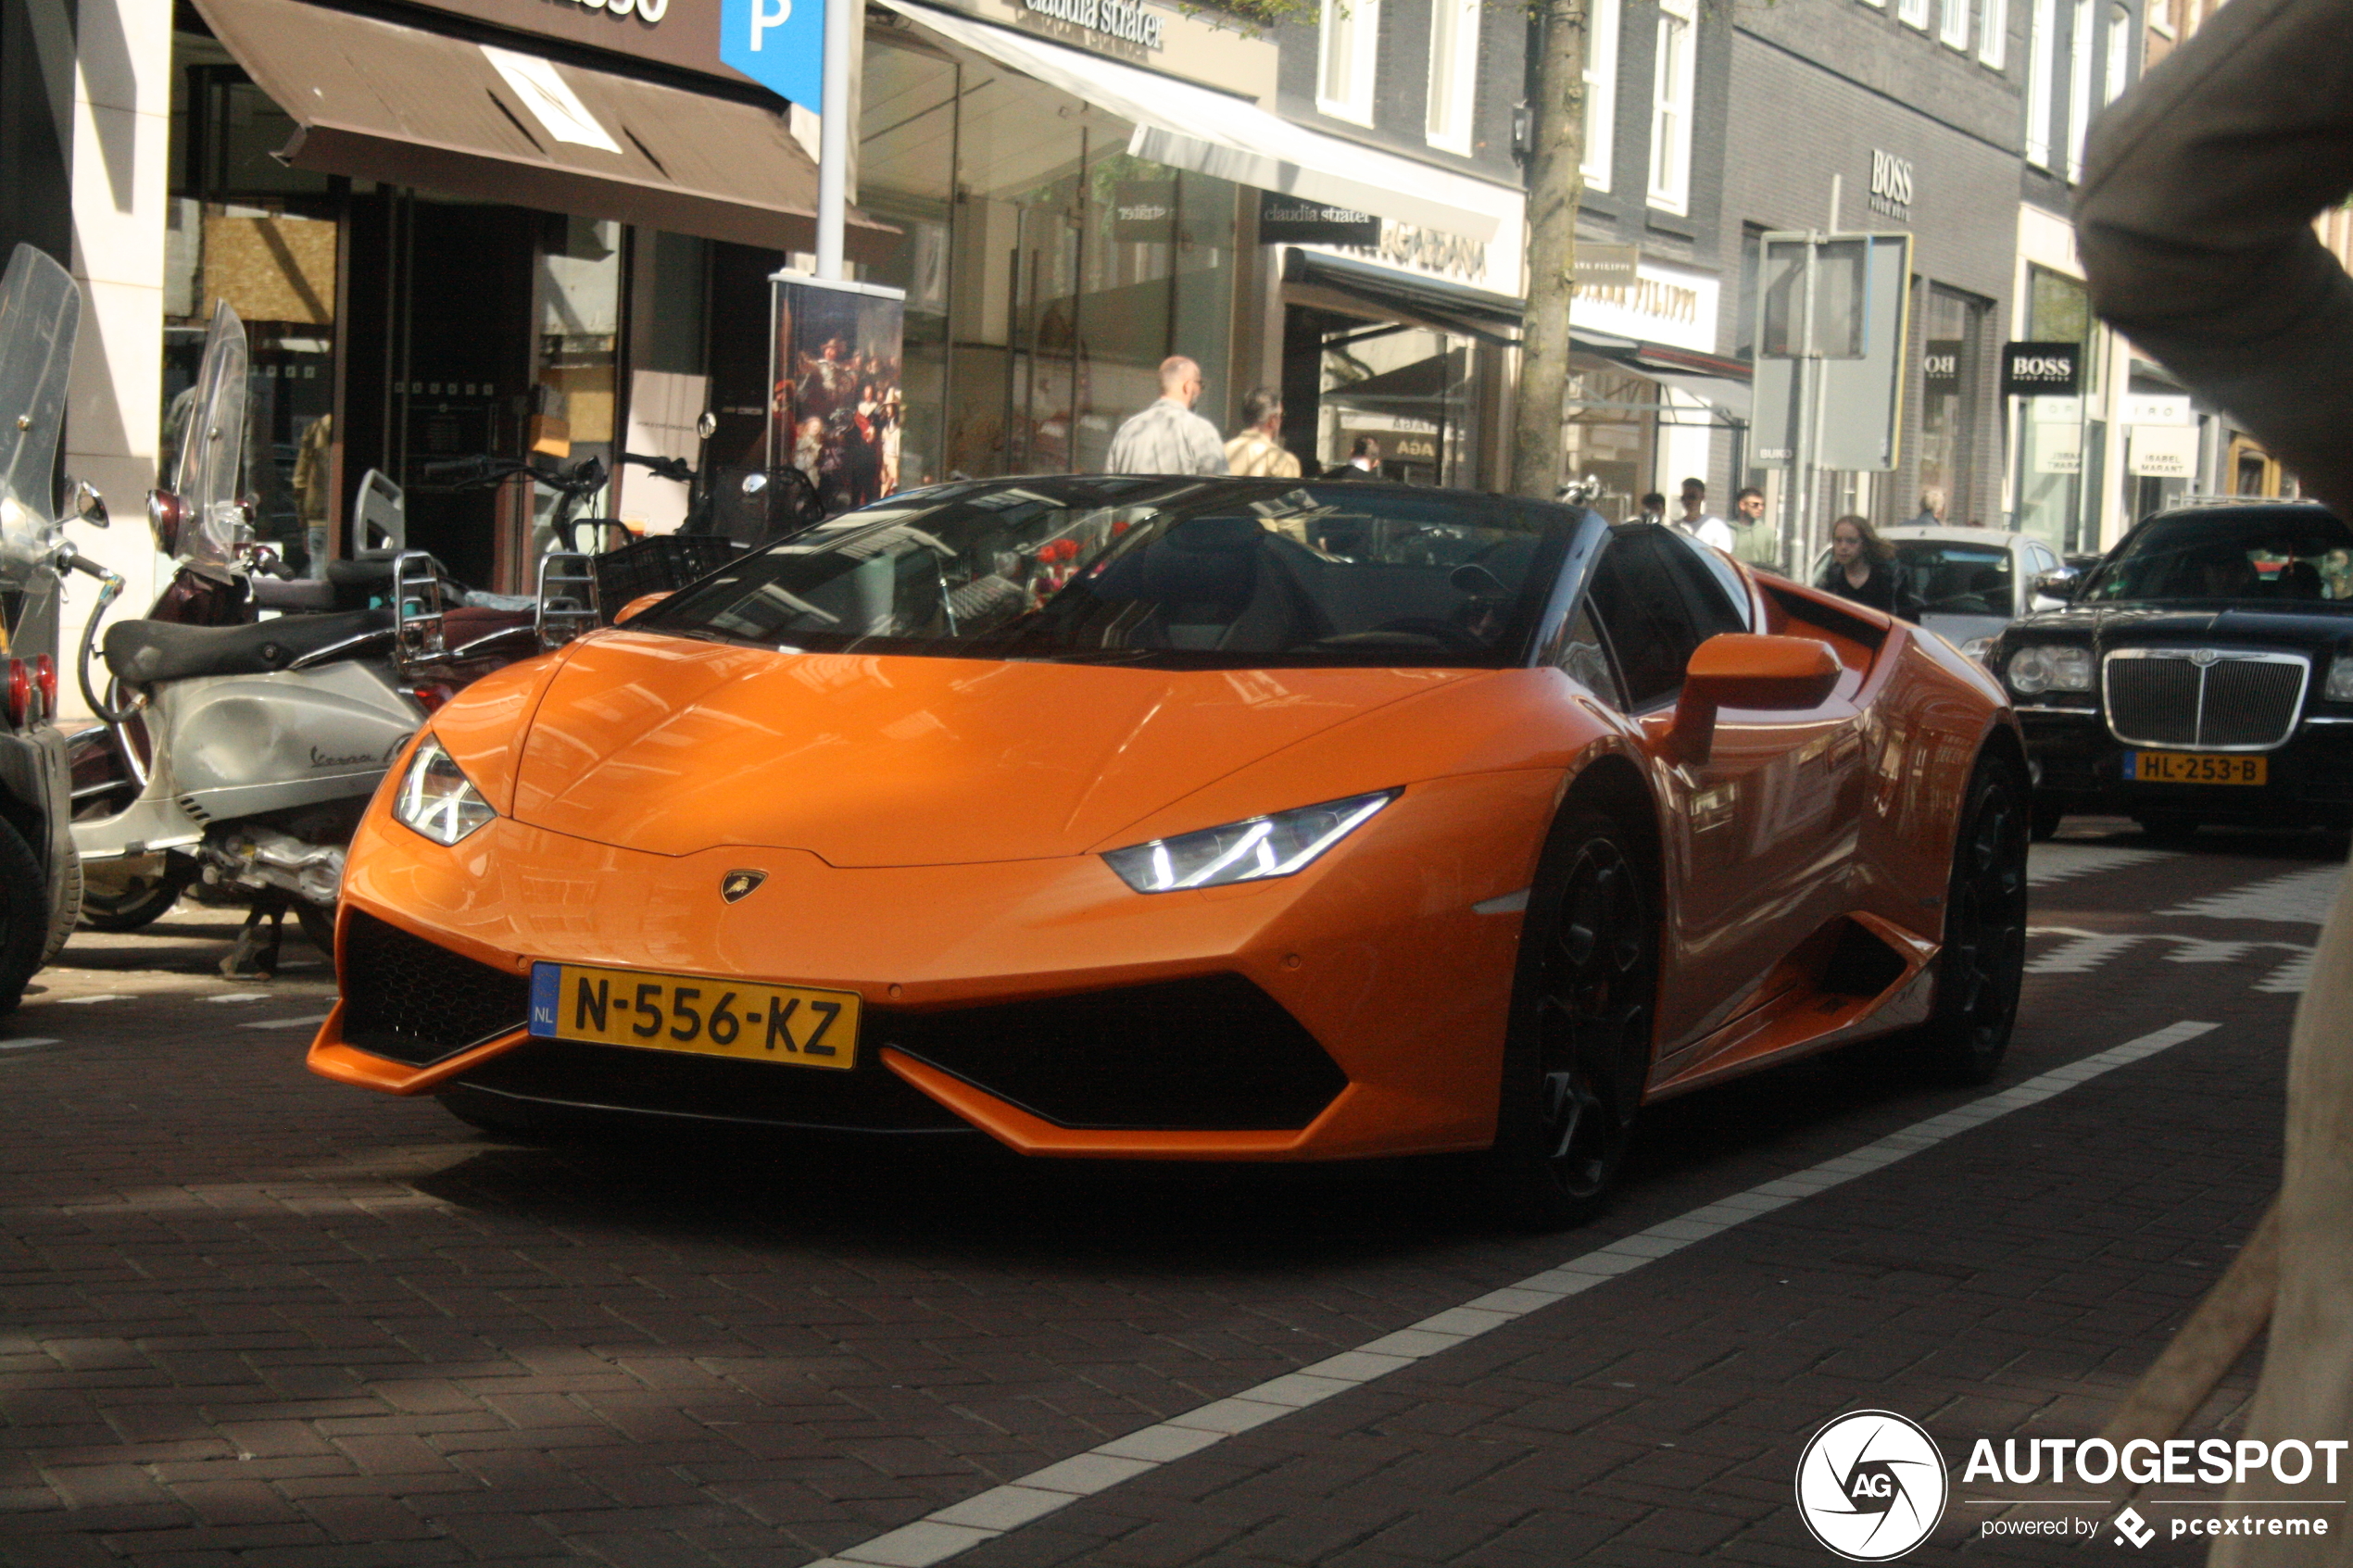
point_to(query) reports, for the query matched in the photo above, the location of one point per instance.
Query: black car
(2202, 672)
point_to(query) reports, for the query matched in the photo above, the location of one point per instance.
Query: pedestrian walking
(1363, 462)
(1168, 437)
(1863, 567)
(2194, 224)
(1258, 450)
(1754, 541)
(1699, 522)
(1932, 509)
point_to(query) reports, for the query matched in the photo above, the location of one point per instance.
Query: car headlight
(1977, 648)
(437, 799)
(2037, 669)
(1252, 850)
(2340, 682)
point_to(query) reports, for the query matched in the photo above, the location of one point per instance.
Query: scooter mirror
(706, 426)
(84, 502)
(754, 483)
(166, 514)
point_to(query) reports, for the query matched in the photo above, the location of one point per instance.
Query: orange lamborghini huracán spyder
(1193, 819)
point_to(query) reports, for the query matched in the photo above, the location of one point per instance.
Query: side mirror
(708, 425)
(638, 607)
(2061, 585)
(83, 501)
(1743, 669)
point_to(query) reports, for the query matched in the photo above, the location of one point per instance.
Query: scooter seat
(142, 652)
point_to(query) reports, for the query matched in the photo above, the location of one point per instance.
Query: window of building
(2079, 88)
(2119, 53)
(1453, 74)
(1671, 183)
(1953, 25)
(1601, 93)
(2041, 63)
(1914, 13)
(1994, 33)
(1349, 40)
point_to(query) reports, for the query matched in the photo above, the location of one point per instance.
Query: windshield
(40, 314)
(1955, 578)
(1218, 575)
(212, 445)
(2269, 556)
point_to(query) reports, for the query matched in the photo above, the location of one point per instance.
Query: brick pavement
(246, 1317)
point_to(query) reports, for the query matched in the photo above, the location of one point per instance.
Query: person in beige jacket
(1258, 451)
(2194, 225)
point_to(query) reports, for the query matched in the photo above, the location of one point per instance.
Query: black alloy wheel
(1984, 961)
(1579, 1047)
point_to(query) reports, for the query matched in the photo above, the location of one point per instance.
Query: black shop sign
(2042, 370)
(1295, 220)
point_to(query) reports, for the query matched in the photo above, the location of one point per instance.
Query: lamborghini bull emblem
(736, 886)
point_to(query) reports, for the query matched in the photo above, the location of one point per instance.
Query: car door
(1757, 838)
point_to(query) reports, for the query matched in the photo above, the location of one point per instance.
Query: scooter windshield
(40, 313)
(212, 446)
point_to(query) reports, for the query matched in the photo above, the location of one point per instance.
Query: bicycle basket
(655, 565)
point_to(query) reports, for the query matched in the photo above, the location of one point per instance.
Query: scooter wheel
(140, 903)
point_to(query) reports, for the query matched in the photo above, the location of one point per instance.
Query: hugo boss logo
(1891, 181)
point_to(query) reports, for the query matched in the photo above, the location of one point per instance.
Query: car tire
(141, 902)
(1982, 961)
(24, 915)
(1577, 1048)
(65, 913)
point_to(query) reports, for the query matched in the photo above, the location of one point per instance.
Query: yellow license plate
(694, 1014)
(2194, 767)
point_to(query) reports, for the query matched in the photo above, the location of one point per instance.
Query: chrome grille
(2206, 698)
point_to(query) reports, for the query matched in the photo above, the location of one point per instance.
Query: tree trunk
(1554, 183)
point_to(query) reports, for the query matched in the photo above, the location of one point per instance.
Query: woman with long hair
(1863, 567)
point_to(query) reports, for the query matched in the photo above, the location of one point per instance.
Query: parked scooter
(242, 754)
(40, 874)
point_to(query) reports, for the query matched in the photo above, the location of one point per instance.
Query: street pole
(833, 137)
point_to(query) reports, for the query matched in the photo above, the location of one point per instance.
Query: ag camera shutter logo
(1871, 1486)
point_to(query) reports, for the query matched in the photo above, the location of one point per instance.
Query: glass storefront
(1048, 273)
(1953, 338)
(2059, 451)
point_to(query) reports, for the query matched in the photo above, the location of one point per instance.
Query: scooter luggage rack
(567, 597)
(416, 611)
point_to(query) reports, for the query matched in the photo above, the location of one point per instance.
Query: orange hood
(674, 746)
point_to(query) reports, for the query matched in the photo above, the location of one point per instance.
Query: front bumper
(1357, 1009)
(2080, 767)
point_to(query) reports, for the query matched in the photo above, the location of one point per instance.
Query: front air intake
(415, 1001)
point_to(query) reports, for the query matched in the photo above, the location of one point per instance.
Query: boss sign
(779, 44)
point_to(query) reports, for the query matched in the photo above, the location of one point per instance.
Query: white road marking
(951, 1531)
(2083, 955)
(2298, 898)
(306, 1022)
(2290, 978)
(25, 1045)
(239, 997)
(85, 1001)
(2048, 863)
(2090, 949)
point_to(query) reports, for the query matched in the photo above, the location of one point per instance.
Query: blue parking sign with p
(779, 44)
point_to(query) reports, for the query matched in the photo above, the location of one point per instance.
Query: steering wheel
(1458, 639)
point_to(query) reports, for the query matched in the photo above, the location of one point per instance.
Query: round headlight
(165, 514)
(2029, 671)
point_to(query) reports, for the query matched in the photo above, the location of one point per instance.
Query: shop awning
(377, 100)
(1211, 132)
(1408, 296)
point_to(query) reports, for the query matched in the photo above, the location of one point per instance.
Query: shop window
(2042, 64)
(578, 311)
(1677, 73)
(1601, 93)
(1407, 390)
(1951, 28)
(243, 228)
(1994, 33)
(1453, 74)
(1609, 433)
(1951, 399)
(1349, 42)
